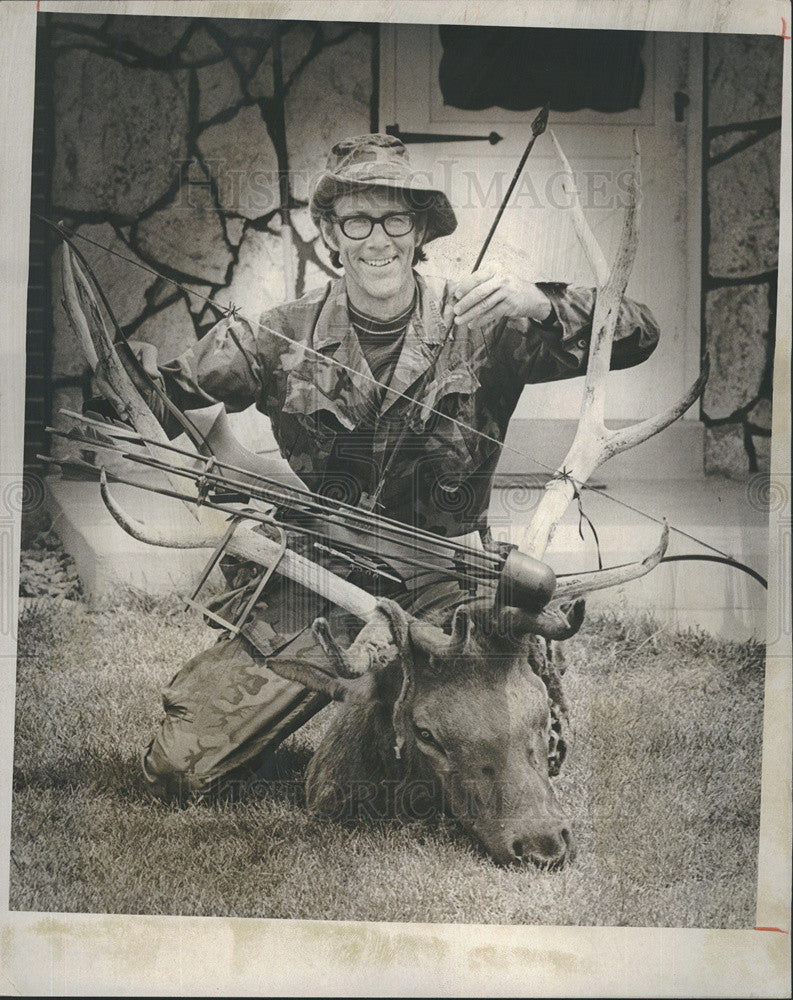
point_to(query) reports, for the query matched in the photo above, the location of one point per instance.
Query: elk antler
(553, 624)
(248, 543)
(346, 679)
(589, 244)
(574, 586)
(338, 681)
(594, 443)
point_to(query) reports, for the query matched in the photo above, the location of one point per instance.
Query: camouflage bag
(225, 708)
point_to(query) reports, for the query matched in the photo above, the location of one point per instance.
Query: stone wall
(743, 77)
(188, 146)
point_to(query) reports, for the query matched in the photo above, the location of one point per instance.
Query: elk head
(469, 716)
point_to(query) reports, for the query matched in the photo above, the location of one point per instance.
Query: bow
(574, 482)
(113, 360)
(117, 364)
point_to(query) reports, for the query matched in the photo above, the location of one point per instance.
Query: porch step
(713, 597)
(108, 559)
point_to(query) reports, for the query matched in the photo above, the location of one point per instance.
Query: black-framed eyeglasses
(358, 227)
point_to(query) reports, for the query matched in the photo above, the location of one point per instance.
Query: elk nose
(546, 847)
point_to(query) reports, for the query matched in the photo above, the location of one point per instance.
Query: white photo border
(64, 953)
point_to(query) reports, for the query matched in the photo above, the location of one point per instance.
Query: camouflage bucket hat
(380, 160)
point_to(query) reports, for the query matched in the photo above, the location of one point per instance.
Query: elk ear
(462, 627)
(401, 626)
(399, 620)
(339, 682)
(338, 658)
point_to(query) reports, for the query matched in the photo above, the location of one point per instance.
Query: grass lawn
(662, 784)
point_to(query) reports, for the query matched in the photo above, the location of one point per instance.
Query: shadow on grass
(278, 776)
(115, 774)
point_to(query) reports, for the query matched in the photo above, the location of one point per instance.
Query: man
(337, 371)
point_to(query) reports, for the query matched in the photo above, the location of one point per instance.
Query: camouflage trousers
(225, 709)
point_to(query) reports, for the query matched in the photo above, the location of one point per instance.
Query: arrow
(537, 128)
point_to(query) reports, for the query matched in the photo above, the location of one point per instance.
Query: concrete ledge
(703, 595)
(108, 559)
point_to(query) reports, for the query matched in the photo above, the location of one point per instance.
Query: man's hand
(147, 356)
(489, 295)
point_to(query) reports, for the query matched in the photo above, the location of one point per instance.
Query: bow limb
(85, 317)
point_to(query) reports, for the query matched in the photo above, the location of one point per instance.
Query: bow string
(235, 313)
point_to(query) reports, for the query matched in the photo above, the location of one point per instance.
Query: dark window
(521, 68)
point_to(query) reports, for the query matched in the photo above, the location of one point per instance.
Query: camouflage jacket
(336, 427)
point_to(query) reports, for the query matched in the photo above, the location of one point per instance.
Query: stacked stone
(173, 136)
(741, 204)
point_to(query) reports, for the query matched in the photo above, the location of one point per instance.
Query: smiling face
(379, 268)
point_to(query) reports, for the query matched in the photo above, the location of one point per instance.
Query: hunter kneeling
(340, 425)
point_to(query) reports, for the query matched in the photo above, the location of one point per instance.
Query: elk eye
(426, 737)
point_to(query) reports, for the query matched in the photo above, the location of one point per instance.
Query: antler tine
(628, 437)
(149, 535)
(590, 246)
(574, 586)
(555, 624)
(604, 320)
(335, 653)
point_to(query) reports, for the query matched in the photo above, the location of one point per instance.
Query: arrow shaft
(537, 128)
(264, 488)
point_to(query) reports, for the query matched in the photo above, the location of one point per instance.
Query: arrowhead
(539, 123)
(494, 138)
